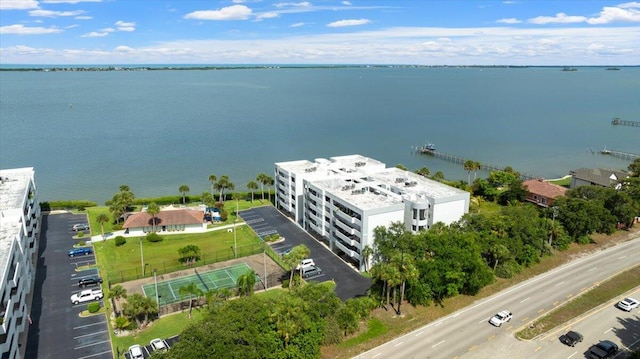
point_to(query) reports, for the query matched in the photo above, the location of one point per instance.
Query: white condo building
(19, 227)
(343, 199)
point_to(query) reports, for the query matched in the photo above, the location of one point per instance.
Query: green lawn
(163, 328)
(124, 263)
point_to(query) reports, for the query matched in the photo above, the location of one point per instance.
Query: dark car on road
(311, 271)
(85, 282)
(80, 251)
(571, 338)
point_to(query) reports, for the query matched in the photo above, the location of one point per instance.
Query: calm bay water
(86, 133)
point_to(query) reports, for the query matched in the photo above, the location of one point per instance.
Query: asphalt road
(57, 330)
(467, 331)
(267, 221)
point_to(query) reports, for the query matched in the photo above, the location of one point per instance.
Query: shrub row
(66, 205)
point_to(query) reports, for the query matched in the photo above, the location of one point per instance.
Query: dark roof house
(543, 193)
(597, 177)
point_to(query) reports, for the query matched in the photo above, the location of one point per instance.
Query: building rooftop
(14, 183)
(386, 187)
(544, 188)
(322, 168)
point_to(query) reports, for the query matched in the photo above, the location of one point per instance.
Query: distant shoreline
(59, 68)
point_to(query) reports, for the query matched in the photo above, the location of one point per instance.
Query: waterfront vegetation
(429, 274)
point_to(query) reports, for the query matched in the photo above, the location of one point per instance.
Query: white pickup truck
(86, 296)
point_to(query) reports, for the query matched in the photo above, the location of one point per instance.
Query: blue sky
(422, 32)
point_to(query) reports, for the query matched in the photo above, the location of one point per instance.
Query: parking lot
(57, 330)
(268, 221)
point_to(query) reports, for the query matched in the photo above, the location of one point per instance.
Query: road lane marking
(556, 303)
(622, 257)
(608, 330)
(574, 353)
(508, 328)
(491, 337)
(537, 349)
(592, 269)
(455, 315)
(541, 310)
(377, 355)
(525, 319)
(435, 345)
(438, 323)
(559, 284)
(419, 333)
(483, 320)
(473, 348)
(524, 300)
(398, 344)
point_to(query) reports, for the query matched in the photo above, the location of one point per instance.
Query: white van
(305, 263)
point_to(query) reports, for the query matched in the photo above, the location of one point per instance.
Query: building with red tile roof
(167, 220)
(543, 193)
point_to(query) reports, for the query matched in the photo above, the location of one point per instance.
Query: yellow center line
(473, 348)
(556, 303)
(537, 349)
(541, 310)
(491, 337)
(525, 319)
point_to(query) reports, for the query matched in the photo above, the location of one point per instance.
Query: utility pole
(553, 220)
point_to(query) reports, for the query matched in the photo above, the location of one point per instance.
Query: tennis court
(169, 290)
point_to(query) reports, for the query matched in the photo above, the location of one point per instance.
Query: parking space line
(90, 334)
(96, 354)
(92, 344)
(88, 325)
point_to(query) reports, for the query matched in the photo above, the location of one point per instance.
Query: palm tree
(222, 185)
(252, 186)
(246, 282)
(213, 179)
(153, 209)
(102, 219)
(476, 167)
(438, 176)
(263, 179)
(469, 165)
(270, 183)
(184, 189)
(191, 290)
(367, 252)
(117, 292)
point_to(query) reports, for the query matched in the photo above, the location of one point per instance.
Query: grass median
(602, 293)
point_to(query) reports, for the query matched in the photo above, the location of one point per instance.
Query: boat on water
(429, 147)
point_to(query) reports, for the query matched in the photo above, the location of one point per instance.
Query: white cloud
(23, 30)
(50, 13)
(233, 12)
(629, 5)
(616, 14)
(67, 1)
(297, 24)
(560, 18)
(267, 15)
(353, 22)
(508, 2)
(509, 21)
(125, 26)
(346, 3)
(99, 33)
(83, 17)
(293, 4)
(18, 4)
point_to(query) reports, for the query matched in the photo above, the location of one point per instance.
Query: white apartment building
(19, 227)
(343, 199)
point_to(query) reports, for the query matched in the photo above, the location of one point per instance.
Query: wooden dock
(461, 161)
(617, 121)
(619, 154)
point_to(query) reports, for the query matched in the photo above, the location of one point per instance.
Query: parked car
(80, 227)
(159, 345)
(80, 251)
(87, 295)
(307, 262)
(628, 304)
(311, 271)
(501, 317)
(94, 280)
(135, 352)
(571, 338)
(603, 350)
